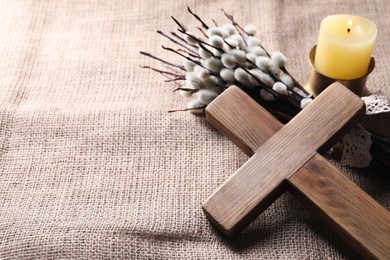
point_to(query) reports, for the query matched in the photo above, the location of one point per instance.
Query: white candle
(344, 47)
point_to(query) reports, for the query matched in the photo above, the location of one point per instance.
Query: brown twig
(269, 89)
(182, 27)
(224, 40)
(204, 34)
(186, 42)
(189, 53)
(186, 109)
(198, 18)
(291, 91)
(205, 49)
(188, 58)
(161, 71)
(176, 42)
(186, 89)
(296, 83)
(161, 60)
(261, 83)
(200, 41)
(175, 79)
(236, 25)
(178, 37)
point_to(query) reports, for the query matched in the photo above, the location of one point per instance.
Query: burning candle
(344, 47)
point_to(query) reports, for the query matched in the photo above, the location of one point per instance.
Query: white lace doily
(376, 103)
(357, 143)
(356, 148)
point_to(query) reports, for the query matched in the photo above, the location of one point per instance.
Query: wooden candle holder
(318, 82)
(286, 158)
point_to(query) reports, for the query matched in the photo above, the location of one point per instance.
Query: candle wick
(348, 30)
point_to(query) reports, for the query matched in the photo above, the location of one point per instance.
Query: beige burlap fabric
(93, 167)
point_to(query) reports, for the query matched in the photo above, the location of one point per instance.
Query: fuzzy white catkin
(185, 93)
(287, 80)
(280, 88)
(258, 51)
(242, 46)
(205, 96)
(189, 65)
(196, 69)
(273, 68)
(216, 52)
(216, 41)
(227, 75)
(241, 76)
(191, 38)
(239, 55)
(228, 60)
(192, 81)
(278, 59)
(264, 94)
(237, 38)
(251, 57)
(267, 80)
(214, 31)
(202, 73)
(192, 84)
(209, 82)
(263, 63)
(196, 72)
(194, 105)
(305, 102)
(253, 41)
(192, 76)
(254, 76)
(224, 32)
(226, 48)
(300, 92)
(250, 29)
(204, 54)
(229, 28)
(232, 42)
(260, 75)
(217, 80)
(213, 64)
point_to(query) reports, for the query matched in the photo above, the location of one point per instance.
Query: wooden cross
(287, 158)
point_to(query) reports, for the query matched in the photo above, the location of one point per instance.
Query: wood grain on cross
(286, 158)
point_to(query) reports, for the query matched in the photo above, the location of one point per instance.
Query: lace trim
(356, 148)
(357, 143)
(376, 103)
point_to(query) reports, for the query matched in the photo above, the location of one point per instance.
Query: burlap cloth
(93, 166)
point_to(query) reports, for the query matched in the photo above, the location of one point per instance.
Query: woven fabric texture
(93, 167)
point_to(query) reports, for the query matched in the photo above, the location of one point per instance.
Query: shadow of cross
(286, 158)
